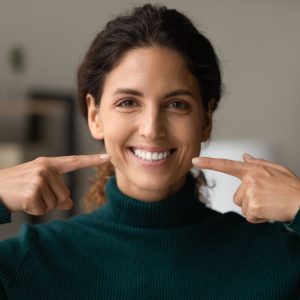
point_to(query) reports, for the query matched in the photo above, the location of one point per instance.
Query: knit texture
(176, 248)
(5, 216)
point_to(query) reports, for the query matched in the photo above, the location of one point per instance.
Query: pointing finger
(65, 164)
(231, 167)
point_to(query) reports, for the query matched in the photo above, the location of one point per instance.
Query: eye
(127, 103)
(178, 104)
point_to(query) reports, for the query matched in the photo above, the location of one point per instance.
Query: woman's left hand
(268, 191)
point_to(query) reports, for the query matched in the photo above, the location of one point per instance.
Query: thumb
(248, 158)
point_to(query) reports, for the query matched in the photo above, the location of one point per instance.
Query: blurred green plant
(17, 59)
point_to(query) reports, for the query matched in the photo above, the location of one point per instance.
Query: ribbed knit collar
(179, 209)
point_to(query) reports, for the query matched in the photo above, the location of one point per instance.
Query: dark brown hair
(146, 26)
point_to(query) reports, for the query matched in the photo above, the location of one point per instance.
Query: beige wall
(258, 43)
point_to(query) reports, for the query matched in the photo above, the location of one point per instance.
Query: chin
(157, 183)
(149, 182)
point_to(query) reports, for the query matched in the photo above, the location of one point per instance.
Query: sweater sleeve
(295, 224)
(13, 253)
(5, 216)
(2, 293)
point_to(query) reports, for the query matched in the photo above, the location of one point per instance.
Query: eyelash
(184, 103)
(181, 102)
(120, 104)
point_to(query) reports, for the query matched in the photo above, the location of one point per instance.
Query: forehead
(155, 68)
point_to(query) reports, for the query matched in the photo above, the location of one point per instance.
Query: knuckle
(227, 163)
(42, 166)
(42, 170)
(250, 194)
(30, 197)
(254, 208)
(249, 179)
(250, 218)
(38, 182)
(41, 160)
(32, 203)
(74, 158)
(262, 171)
(27, 206)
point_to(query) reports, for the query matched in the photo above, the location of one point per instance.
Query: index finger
(65, 164)
(231, 167)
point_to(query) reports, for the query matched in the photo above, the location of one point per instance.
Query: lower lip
(153, 163)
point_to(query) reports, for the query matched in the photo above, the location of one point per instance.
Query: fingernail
(104, 156)
(196, 160)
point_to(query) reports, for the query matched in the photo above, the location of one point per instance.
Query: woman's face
(152, 121)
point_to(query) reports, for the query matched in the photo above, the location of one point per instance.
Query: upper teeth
(146, 155)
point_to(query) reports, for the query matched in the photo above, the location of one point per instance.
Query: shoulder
(37, 236)
(235, 231)
(38, 244)
(235, 226)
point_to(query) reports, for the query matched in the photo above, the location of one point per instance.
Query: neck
(178, 209)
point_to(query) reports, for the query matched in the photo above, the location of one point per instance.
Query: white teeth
(150, 156)
(155, 156)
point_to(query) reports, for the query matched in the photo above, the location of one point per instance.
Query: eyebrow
(179, 92)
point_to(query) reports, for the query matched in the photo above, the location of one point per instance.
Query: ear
(94, 120)
(207, 124)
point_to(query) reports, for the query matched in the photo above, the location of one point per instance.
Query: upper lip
(152, 148)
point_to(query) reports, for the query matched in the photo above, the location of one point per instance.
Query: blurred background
(43, 42)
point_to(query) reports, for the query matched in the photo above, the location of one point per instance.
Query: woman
(148, 86)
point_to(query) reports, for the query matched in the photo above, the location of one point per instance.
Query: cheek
(113, 129)
(189, 134)
(115, 141)
(114, 151)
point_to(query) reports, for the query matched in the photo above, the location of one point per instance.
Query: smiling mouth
(151, 155)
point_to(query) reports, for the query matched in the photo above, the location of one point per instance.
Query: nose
(152, 124)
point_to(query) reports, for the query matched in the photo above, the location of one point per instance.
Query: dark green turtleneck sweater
(172, 249)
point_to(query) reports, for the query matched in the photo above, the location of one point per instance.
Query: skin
(268, 191)
(36, 187)
(150, 119)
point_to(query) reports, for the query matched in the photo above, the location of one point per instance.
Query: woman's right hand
(36, 187)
